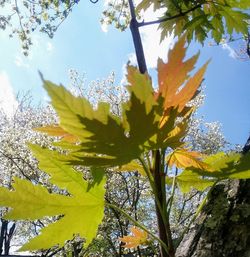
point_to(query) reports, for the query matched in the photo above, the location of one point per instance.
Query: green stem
(148, 160)
(171, 199)
(152, 184)
(139, 225)
(147, 170)
(163, 181)
(160, 196)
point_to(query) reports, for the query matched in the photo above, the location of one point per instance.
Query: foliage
(17, 160)
(232, 165)
(102, 139)
(131, 192)
(199, 18)
(94, 137)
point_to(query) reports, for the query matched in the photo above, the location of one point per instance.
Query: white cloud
(132, 59)
(150, 36)
(50, 47)
(20, 62)
(124, 75)
(151, 39)
(104, 25)
(40, 47)
(8, 102)
(152, 47)
(230, 50)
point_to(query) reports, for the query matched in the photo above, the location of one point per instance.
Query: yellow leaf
(132, 166)
(139, 237)
(57, 131)
(174, 137)
(182, 158)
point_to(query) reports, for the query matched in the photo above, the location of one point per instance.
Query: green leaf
(243, 4)
(145, 4)
(100, 132)
(224, 166)
(108, 140)
(188, 180)
(97, 177)
(220, 166)
(197, 18)
(69, 109)
(235, 20)
(218, 30)
(197, 21)
(82, 211)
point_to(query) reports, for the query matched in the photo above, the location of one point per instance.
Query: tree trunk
(223, 228)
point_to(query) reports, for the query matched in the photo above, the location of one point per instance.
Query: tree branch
(181, 14)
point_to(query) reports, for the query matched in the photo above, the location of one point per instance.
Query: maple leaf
(236, 21)
(139, 237)
(173, 74)
(105, 139)
(183, 158)
(82, 211)
(213, 168)
(148, 121)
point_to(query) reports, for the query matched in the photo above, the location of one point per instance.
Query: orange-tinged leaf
(139, 237)
(182, 158)
(58, 132)
(175, 84)
(187, 93)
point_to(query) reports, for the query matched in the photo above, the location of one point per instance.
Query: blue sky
(81, 44)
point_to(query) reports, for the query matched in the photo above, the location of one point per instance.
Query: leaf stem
(171, 198)
(152, 184)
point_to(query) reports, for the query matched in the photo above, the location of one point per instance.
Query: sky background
(81, 44)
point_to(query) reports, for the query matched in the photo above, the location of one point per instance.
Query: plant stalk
(163, 221)
(158, 177)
